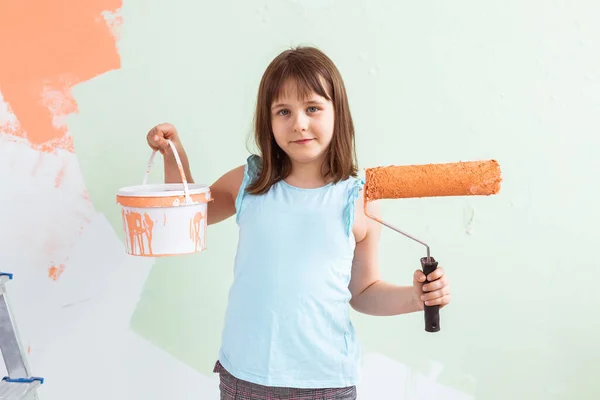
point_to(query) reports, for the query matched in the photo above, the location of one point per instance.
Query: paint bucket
(164, 219)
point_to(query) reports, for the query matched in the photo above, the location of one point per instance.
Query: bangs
(305, 79)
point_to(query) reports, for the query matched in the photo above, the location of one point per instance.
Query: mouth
(302, 141)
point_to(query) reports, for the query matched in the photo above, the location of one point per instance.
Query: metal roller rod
(401, 232)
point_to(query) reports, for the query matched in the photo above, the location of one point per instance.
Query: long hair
(313, 72)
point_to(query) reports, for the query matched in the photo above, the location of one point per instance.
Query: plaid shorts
(237, 389)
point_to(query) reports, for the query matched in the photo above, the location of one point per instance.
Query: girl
(306, 250)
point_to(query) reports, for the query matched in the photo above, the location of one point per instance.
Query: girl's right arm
(223, 191)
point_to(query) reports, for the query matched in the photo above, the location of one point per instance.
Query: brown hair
(312, 71)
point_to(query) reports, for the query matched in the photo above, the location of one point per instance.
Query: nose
(300, 123)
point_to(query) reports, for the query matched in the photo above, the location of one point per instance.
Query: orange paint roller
(473, 178)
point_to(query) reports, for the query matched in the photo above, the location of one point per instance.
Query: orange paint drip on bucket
(164, 219)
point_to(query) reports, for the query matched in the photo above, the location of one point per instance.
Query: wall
(428, 82)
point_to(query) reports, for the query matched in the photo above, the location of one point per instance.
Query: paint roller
(471, 178)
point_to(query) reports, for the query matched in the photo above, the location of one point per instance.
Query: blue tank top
(287, 321)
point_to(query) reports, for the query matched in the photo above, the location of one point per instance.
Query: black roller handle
(432, 313)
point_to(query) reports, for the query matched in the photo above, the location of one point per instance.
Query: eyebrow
(278, 105)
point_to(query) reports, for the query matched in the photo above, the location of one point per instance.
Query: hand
(157, 137)
(435, 292)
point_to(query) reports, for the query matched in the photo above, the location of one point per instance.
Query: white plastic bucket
(164, 219)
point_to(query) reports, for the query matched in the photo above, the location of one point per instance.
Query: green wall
(428, 82)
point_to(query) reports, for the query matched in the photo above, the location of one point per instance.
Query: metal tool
(19, 384)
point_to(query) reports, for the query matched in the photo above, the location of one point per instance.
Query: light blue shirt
(287, 321)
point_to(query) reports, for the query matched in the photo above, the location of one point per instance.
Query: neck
(308, 175)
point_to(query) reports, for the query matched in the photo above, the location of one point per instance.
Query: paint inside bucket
(164, 219)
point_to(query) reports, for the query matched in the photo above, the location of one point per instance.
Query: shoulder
(253, 164)
(365, 226)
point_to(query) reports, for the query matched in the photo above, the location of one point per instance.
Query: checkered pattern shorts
(237, 389)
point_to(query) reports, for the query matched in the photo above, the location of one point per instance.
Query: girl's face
(302, 128)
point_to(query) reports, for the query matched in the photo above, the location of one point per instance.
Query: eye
(313, 109)
(282, 112)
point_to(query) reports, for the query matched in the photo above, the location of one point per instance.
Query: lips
(302, 141)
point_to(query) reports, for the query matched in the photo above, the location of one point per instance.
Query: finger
(440, 301)
(166, 130)
(437, 274)
(150, 137)
(161, 142)
(419, 276)
(157, 136)
(437, 284)
(436, 294)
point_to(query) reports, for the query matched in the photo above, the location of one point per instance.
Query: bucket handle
(186, 189)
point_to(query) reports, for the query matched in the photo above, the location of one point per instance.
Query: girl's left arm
(370, 294)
